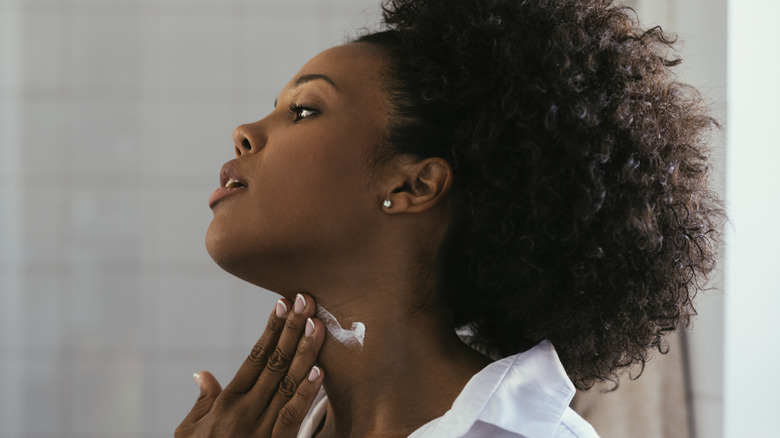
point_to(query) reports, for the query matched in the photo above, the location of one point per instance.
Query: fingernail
(300, 303)
(314, 374)
(196, 376)
(281, 309)
(309, 327)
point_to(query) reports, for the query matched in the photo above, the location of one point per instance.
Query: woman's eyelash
(301, 112)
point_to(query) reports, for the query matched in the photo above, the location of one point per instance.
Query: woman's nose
(248, 138)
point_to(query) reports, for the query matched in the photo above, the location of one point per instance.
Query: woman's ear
(419, 185)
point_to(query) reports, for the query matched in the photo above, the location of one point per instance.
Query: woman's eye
(301, 112)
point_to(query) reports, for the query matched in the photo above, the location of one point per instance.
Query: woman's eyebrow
(312, 77)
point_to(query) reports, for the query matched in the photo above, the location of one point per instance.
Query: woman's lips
(230, 182)
(222, 193)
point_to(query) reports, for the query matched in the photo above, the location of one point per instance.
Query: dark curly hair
(582, 208)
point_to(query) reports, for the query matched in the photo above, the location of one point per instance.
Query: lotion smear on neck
(351, 338)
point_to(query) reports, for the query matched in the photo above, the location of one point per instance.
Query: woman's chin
(226, 253)
(214, 244)
(237, 258)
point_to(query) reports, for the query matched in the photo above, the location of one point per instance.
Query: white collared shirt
(525, 395)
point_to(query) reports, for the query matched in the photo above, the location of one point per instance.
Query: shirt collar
(534, 386)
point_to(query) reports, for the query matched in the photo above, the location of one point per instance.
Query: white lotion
(351, 338)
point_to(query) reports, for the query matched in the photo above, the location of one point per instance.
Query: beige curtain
(653, 406)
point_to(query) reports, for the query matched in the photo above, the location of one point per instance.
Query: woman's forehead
(348, 66)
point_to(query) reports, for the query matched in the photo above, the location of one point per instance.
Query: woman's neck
(408, 371)
(412, 365)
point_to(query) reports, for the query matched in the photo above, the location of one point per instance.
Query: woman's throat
(351, 338)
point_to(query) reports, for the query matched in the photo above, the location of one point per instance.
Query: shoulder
(571, 426)
(525, 395)
(574, 426)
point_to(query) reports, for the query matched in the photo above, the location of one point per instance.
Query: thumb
(209, 390)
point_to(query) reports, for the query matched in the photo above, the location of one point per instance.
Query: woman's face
(304, 192)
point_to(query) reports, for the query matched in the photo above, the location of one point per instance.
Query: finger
(281, 358)
(254, 364)
(289, 420)
(300, 369)
(209, 390)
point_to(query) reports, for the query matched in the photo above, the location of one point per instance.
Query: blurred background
(115, 117)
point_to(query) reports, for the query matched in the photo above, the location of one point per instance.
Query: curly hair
(583, 212)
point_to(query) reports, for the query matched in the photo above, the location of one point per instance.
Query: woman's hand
(274, 388)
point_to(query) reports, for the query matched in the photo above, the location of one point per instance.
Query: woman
(525, 170)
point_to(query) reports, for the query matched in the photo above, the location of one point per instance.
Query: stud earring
(387, 203)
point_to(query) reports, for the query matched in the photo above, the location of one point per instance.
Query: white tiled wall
(115, 117)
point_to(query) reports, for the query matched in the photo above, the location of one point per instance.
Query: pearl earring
(387, 203)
